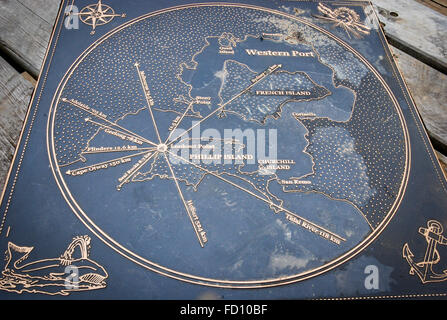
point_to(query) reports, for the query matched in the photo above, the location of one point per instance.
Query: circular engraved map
(228, 145)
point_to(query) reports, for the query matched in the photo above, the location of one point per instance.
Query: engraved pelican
(49, 276)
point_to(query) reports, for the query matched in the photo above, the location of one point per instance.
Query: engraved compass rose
(347, 18)
(97, 15)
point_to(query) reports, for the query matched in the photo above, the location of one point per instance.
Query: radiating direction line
(147, 95)
(112, 149)
(184, 202)
(178, 122)
(103, 165)
(258, 79)
(117, 133)
(84, 108)
(195, 125)
(293, 217)
(262, 76)
(132, 171)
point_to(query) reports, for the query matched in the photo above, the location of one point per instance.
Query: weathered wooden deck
(416, 29)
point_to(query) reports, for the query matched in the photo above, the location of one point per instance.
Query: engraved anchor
(424, 269)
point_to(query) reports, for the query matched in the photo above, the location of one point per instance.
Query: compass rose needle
(147, 95)
(103, 118)
(324, 233)
(88, 18)
(184, 201)
(103, 15)
(259, 78)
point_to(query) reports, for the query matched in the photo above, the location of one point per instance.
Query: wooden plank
(416, 29)
(25, 29)
(15, 94)
(438, 5)
(429, 90)
(443, 161)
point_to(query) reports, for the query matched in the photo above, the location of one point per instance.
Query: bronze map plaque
(252, 150)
